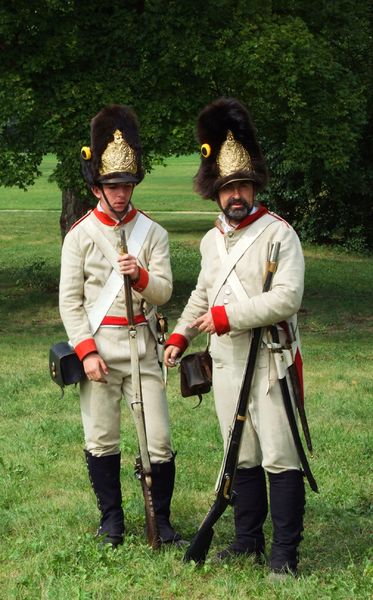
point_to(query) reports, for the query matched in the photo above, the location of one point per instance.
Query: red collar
(106, 220)
(251, 218)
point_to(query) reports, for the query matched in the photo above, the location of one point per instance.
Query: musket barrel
(127, 282)
(201, 542)
(142, 464)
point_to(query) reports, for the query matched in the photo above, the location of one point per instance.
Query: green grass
(167, 187)
(47, 509)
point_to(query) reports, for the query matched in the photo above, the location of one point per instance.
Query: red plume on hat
(115, 152)
(229, 148)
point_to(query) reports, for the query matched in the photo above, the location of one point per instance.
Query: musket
(143, 470)
(276, 348)
(200, 544)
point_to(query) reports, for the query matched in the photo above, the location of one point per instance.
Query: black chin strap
(118, 216)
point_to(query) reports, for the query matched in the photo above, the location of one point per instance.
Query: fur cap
(113, 158)
(216, 122)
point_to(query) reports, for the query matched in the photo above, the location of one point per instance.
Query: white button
(225, 300)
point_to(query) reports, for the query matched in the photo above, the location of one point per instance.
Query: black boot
(104, 473)
(250, 512)
(287, 500)
(163, 480)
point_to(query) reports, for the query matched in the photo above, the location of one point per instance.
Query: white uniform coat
(84, 272)
(267, 438)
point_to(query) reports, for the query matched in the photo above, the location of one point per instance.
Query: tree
(301, 68)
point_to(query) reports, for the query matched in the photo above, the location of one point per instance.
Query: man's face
(236, 200)
(118, 194)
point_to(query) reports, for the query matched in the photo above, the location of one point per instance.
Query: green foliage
(303, 68)
(357, 240)
(316, 130)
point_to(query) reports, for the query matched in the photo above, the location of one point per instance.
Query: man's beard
(237, 214)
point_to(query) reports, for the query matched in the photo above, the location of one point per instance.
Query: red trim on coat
(81, 219)
(279, 218)
(122, 321)
(85, 347)
(176, 339)
(142, 281)
(220, 318)
(106, 220)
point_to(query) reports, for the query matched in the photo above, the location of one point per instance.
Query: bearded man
(228, 308)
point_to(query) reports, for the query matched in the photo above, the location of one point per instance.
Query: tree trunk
(73, 207)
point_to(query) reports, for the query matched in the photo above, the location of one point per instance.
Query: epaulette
(280, 219)
(80, 220)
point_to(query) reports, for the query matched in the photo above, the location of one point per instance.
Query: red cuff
(142, 281)
(220, 319)
(178, 340)
(85, 348)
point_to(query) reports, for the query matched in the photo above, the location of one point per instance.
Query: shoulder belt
(115, 281)
(230, 260)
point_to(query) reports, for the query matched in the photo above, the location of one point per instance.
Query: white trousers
(101, 403)
(267, 439)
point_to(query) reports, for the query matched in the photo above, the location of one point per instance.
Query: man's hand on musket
(171, 355)
(95, 367)
(205, 323)
(128, 266)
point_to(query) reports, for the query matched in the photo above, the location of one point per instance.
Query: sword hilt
(123, 242)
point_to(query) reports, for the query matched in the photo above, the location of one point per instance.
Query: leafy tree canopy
(303, 68)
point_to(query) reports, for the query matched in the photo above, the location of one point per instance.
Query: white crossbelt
(229, 261)
(115, 281)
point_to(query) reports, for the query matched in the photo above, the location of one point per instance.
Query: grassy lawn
(47, 509)
(167, 187)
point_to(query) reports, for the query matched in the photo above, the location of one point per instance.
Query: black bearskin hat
(229, 148)
(115, 152)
